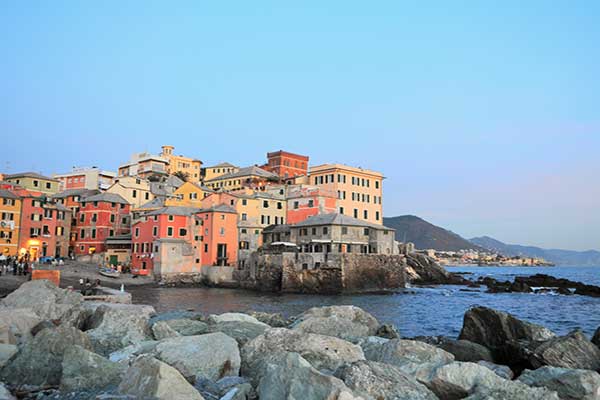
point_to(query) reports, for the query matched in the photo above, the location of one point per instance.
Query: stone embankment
(56, 345)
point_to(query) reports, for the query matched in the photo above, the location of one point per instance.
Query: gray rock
(464, 350)
(274, 320)
(289, 376)
(241, 392)
(571, 351)
(596, 337)
(456, 380)
(115, 326)
(235, 317)
(375, 381)
(45, 324)
(187, 327)
(492, 328)
(344, 322)
(128, 354)
(84, 370)
(149, 378)
(415, 358)
(388, 331)
(371, 346)
(513, 391)
(47, 301)
(161, 330)
(6, 353)
(39, 363)
(501, 370)
(322, 352)
(5, 394)
(213, 355)
(16, 324)
(241, 331)
(570, 384)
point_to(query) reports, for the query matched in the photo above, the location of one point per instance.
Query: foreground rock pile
(54, 345)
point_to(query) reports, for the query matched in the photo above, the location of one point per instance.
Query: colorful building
(45, 226)
(210, 173)
(144, 165)
(177, 163)
(10, 219)
(359, 191)
(188, 195)
(34, 182)
(100, 216)
(219, 236)
(286, 165)
(136, 191)
(91, 178)
(304, 201)
(249, 177)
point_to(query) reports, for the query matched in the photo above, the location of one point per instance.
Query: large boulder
(5, 393)
(115, 326)
(571, 351)
(456, 380)
(161, 330)
(570, 384)
(39, 363)
(510, 339)
(212, 356)
(502, 371)
(415, 358)
(322, 352)
(7, 351)
(512, 391)
(344, 322)
(236, 317)
(241, 331)
(289, 376)
(373, 381)
(149, 378)
(128, 354)
(371, 346)
(274, 320)
(187, 327)
(47, 301)
(16, 324)
(465, 350)
(84, 370)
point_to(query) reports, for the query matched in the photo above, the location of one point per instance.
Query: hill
(425, 235)
(556, 256)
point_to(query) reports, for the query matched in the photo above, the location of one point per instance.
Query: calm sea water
(416, 311)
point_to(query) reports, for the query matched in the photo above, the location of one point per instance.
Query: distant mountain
(558, 257)
(425, 235)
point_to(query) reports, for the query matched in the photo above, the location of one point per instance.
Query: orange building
(304, 201)
(286, 165)
(85, 178)
(219, 235)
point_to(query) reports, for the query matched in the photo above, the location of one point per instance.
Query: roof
(75, 192)
(277, 228)
(57, 206)
(220, 208)
(338, 219)
(29, 175)
(248, 171)
(173, 210)
(7, 194)
(223, 164)
(154, 203)
(174, 181)
(106, 197)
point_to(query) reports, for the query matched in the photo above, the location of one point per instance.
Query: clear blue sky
(485, 118)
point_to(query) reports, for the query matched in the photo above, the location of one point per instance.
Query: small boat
(110, 273)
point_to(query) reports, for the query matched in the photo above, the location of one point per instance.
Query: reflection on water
(421, 311)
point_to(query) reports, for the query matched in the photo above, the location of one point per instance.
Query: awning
(290, 244)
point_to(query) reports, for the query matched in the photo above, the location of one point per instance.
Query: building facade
(209, 173)
(177, 163)
(304, 201)
(133, 189)
(250, 177)
(359, 191)
(286, 165)
(10, 219)
(34, 182)
(144, 165)
(91, 178)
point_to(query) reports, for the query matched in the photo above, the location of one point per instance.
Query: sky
(483, 116)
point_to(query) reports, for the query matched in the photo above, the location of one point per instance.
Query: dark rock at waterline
(571, 351)
(465, 350)
(543, 280)
(387, 331)
(430, 272)
(596, 337)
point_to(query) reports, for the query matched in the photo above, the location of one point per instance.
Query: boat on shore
(110, 273)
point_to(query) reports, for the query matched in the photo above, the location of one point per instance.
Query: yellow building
(188, 195)
(210, 173)
(34, 182)
(249, 177)
(359, 191)
(135, 190)
(178, 163)
(10, 217)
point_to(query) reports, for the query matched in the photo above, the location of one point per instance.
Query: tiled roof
(223, 164)
(173, 210)
(155, 203)
(106, 197)
(338, 219)
(277, 228)
(29, 175)
(7, 194)
(75, 192)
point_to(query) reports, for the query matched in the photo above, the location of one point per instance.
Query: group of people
(18, 265)
(87, 288)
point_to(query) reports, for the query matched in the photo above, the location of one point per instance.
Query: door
(221, 254)
(113, 259)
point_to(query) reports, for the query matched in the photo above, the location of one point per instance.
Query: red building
(100, 216)
(219, 235)
(44, 227)
(305, 201)
(71, 199)
(286, 165)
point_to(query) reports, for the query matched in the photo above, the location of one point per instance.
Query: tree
(184, 176)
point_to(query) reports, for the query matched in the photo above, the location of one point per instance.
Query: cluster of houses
(164, 213)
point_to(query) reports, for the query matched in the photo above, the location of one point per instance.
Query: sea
(415, 311)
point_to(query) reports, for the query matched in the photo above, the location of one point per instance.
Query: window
(311, 203)
(265, 204)
(325, 230)
(205, 247)
(155, 231)
(36, 183)
(182, 232)
(376, 184)
(82, 234)
(147, 196)
(48, 185)
(222, 231)
(111, 233)
(365, 214)
(279, 205)
(244, 216)
(296, 205)
(93, 233)
(342, 210)
(356, 213)
(169, 231)
(112, 205)
(134, 193)
(112, 218)
(94, 217)
(171, 218)
(223, 217)
(244, 231)
(124, 220)
(137, 232)
(344, 230)
(366, 232)
(314, 231)
(377, 216)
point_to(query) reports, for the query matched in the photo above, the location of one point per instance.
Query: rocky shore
(538, 283)
(56, 345)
